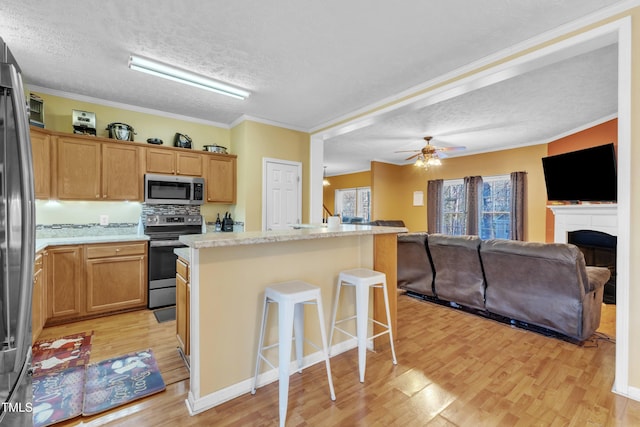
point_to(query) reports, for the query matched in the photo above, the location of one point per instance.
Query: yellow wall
(252, 142)
(339, 182)
(393, 186)
(57, 116)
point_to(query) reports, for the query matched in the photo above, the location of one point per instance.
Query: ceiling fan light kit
(175, 74)
(428, 156)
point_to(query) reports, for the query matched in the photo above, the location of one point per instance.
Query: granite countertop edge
(213, 240)
(43, 243)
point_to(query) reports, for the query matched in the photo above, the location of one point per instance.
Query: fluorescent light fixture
(186, 77)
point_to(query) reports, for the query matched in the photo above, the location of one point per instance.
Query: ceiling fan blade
(451, 148)
(411, 157)
(408, 151)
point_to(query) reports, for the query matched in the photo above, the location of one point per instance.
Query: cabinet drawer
(118, 249)
(182, 269)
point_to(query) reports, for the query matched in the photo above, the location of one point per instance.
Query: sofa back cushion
(458, 271)
(414, 266)
(539, 283)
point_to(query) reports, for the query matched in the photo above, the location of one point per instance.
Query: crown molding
(123, 106)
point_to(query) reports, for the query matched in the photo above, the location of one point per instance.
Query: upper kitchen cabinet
(173, 162)
(221, 178)
(87, 169)
(41, 152)
(121, 177)
(78, 169)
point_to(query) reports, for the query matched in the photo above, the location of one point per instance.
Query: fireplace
(593, 228)
(599, 250)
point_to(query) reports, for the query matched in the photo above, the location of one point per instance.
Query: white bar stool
(362, 279)
(291, 297)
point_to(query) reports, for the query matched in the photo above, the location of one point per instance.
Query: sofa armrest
(597, 277)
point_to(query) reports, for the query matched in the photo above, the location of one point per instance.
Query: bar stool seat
(291, 297)
(362, 279)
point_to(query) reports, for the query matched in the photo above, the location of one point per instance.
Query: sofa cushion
(414, 267)
(458, 271)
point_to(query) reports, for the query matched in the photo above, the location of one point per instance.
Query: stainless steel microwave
(173, 190)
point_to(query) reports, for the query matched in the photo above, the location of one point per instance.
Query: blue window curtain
(434, 206)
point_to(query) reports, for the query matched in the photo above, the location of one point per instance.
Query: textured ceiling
(307, 63)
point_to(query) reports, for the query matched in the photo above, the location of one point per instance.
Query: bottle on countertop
(218, 223)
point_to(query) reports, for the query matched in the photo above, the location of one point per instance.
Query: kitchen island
(229, 272)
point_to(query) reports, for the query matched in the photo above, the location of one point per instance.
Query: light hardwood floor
(454, 369)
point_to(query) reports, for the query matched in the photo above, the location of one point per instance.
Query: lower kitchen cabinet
(92, 280)
(116, 277)
(65, 282)
(38, 306)
(183, 296)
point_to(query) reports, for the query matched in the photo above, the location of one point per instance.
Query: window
(354, 204)
(494, 206)
(454, 215)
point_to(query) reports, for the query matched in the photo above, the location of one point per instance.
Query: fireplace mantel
(598, 217)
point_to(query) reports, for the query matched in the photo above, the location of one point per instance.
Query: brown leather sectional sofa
(541, 286)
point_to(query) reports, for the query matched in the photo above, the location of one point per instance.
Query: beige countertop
(183, 253)
(305, 232)
(81, 240)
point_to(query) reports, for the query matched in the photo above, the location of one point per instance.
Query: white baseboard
(196, 406)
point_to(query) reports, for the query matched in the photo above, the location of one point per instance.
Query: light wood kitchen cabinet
(172, 162)
(78, 169)
(41, 153)
(38, 306)
(65, 282)
(121, 177)
(221, 179)
(116, 277)
(90, 170)
(92, 280)
(183, 309)
(160, 161)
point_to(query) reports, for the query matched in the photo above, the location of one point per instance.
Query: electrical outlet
(104, 219)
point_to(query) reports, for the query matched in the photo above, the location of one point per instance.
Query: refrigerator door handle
(27, 214)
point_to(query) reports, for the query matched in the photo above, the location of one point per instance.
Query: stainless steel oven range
(163, 232)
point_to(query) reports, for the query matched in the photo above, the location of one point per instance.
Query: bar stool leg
(323, 336)
(334, 313)
(285, 330)
(298, 331)
(362, 317)
(386, 307)
(265, 309)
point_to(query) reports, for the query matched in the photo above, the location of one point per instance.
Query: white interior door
(282, 194)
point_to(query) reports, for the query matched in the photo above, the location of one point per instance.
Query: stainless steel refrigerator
(17, 245)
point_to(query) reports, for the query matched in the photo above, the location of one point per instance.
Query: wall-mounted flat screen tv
(587, 175)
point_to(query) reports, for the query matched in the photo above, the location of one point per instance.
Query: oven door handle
(166, 243)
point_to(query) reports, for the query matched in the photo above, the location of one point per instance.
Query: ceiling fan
(429, 155)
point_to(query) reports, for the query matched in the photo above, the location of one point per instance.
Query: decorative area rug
(58, 377)
(57, 354)
(114, 382)
(66, 386)
(57, 396)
